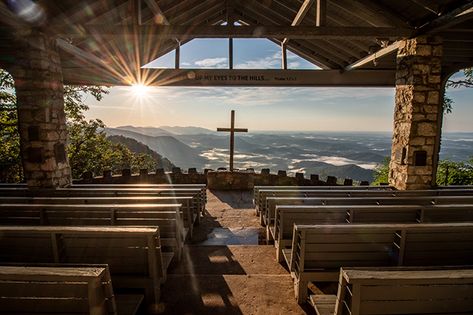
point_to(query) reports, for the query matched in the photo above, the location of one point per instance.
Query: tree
(10, 163)
(448, 173)
(381, 173)
(88, 147)
(455, 173)
(465, 81)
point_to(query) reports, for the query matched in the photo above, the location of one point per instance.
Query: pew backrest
(272, 202)
(259, 190)
(166, 216)
(48, 290)
(410, 291)
(133, 253)
(286, 216)
(319, 247)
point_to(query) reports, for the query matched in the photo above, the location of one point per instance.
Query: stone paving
(226, 270)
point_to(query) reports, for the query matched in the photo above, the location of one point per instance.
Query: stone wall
(221, 179)
(42, 122)
(417, 114)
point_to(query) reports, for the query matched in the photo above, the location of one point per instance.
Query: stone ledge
(221, 179)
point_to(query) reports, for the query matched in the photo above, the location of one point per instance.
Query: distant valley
(341, 154)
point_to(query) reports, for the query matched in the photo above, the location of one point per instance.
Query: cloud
(220, 62)
(268, 62)
(294, 64)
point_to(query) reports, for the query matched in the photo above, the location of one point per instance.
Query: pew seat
(399, 290)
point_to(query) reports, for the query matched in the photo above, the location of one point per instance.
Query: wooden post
(283, 56)
(321, 13)
(230, 53)
(178, 55)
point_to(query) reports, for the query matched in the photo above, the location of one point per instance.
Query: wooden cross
(232, 131)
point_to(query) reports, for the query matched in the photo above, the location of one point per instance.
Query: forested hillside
(140, 148)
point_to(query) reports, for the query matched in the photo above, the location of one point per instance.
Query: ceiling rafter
(158, 15)
(457, 15)
(311, 56)
(359, 12)
(382, 10)
(252, 31)
(372, 57)
(303, 10)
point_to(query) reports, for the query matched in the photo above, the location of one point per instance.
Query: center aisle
(224, 270)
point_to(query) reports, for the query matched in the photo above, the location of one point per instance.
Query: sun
(139, 89)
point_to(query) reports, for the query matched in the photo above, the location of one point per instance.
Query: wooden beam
(380, 53)
(459, 14)
(240, 77)
(382, 10)
(321, 13)
(302, 12)
(427, 5)
(252, 31)
(79, 53)
(159, 17)
(449, 19)
(300, 15)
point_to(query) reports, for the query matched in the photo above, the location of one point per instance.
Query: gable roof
(105, 41)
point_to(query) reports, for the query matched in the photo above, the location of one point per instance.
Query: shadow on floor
(238, 199)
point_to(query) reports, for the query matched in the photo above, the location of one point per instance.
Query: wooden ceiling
(107, 42)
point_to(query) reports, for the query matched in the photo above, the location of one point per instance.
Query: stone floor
(226, 269)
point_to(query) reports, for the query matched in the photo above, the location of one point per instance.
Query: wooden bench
(287, 216)
(202, 187)
(401, 290)
(189, 204)
(109, 192)
(272, 202)
(166, 216)
(265, 195)
(46, 290)
(133, 254)
(318, 251)
(260, 191)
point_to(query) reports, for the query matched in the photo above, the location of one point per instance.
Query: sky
(259, 108)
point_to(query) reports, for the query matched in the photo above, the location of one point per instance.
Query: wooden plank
(323, 304)
(244, 77)
(243, 31)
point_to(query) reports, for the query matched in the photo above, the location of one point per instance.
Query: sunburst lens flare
(140, 90)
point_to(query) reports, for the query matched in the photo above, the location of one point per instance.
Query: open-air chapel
(234, 241)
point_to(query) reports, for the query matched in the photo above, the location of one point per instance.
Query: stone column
(417, 115)
(42, 122)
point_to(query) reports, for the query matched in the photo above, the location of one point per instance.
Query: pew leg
(152, 296)
(300, 289)
(261, 220)
(279, 255)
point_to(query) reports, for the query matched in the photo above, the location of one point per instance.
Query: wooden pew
(47, 290)
(287, 216)
(272, 202)
(109, 192)
(133, 254)
(202, 187)
(265, 195)
(166, 216)
(189, 204)
(318, 251)
(259, 191)
(402, 290)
